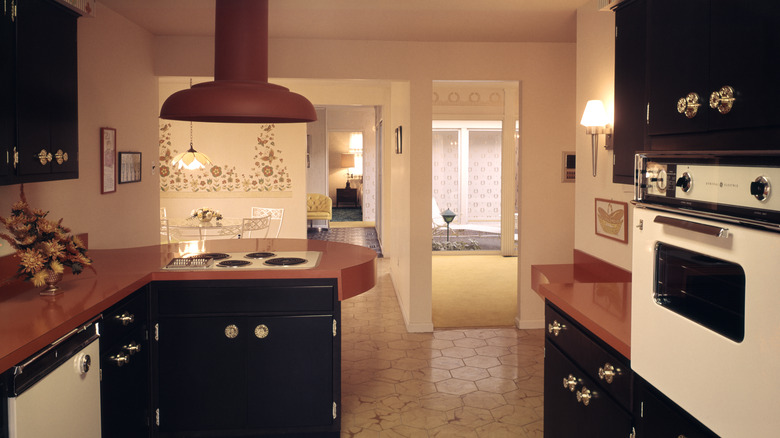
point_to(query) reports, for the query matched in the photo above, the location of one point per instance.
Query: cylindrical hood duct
(240, 92)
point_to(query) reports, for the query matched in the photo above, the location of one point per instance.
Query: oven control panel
(736, 186)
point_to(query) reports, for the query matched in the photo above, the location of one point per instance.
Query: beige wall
(595, 80)
(117, 89)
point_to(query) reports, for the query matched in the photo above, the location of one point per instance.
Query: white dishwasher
(56, 393)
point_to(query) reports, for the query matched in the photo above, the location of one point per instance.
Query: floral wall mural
(266, 171)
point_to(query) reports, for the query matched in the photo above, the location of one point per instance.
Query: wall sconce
(348, 161)
(594, 119)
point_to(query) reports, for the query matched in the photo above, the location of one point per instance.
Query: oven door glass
(703, 289)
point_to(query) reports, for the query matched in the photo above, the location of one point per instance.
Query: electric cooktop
(246, 261)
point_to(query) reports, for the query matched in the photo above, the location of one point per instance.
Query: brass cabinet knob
(61, 156)
(231, 331)
(608, 372)
(584, 396)
(555, 328)
(261, 331)
(44, 157)
(723, 99)
(570, 382)
(126, 318)
(689, 105)
(132, 348)
(119, 359)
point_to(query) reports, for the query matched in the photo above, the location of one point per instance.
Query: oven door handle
(709, 230)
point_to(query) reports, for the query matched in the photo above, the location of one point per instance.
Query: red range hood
(240, 92)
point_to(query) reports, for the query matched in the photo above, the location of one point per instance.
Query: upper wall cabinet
(630, 100)
(40, 92)
(712, 68)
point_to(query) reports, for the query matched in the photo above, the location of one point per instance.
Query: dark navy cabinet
(125, 368)
(246, 358)
(39, 128)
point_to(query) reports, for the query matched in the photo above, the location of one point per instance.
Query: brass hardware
(126, 318)
(334, 328)
(555, 328)
(689, 105)
(608, 372)
(132, 348)
(335, 410)
(570, 383)
(44, 157)
(231, 331)
(261, 331)
(16, 157)
(584, 396)
(641, 224)
(119, 359)
(61, 156)
(723, 99)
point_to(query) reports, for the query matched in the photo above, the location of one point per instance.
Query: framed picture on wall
(611, 219)
(129, 167)
(107, 160)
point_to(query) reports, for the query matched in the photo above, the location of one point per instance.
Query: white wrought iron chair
(276, 215)
(256, 224)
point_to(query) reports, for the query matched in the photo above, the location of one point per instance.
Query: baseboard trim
(529, 324)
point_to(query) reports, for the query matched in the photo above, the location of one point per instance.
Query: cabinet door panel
(290, 372)
(630, 101)
(745, 43)
(124, 391)
(7, 93)
(201, 374)
(677, 60)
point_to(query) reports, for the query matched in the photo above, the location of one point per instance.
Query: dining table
(193, 228)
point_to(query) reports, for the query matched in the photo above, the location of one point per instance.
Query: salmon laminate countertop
(30, 321)
(594, 293)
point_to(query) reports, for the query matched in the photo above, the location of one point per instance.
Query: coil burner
(214, 255)
(259, 255)
(233, 263)
(285, 261)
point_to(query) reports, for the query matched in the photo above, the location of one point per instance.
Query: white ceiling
(383, 20)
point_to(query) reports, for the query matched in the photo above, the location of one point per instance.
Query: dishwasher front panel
(63, 404)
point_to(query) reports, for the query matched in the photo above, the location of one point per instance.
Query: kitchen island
(30, 322)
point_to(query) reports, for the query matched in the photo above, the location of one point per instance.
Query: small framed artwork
(399, 140)
(107, 160)
(611, 217)
(129, 167)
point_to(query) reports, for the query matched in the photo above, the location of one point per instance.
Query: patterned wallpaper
(264, 172)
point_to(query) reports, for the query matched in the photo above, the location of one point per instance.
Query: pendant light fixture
(240, 92)
(191, 159)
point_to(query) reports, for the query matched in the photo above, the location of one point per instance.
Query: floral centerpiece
(43, 247)
(205, 214)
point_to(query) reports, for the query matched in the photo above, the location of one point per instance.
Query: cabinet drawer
(124, 317)
(579, 409)
(596, 360)
(242, 297)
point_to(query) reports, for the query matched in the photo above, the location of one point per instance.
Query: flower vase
(52, 279)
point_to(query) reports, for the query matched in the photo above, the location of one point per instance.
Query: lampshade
(190, 160)
(347, 160)
(594, 114)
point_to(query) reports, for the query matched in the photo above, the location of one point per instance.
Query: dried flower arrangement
(206, 213)
(42, 245)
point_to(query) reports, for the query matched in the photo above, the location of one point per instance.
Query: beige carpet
(363, 224)
(474, 291)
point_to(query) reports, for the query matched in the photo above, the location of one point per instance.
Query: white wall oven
(706, 286)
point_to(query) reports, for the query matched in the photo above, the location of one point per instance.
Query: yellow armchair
(319, 207)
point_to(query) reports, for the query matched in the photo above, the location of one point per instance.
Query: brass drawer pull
(555, 328)
(126, 318)
(231, 331)
(689, 105)
(261, 331)
(723, 99)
